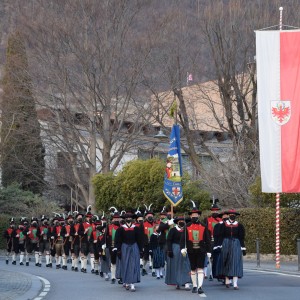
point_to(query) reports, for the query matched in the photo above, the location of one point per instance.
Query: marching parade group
(177, 249)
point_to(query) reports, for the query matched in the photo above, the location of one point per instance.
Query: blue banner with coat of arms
(173, 172)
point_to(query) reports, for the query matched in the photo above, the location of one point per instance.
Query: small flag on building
(173, 172)
(189, 77)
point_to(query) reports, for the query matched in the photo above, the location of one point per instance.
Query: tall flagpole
(277, 217)
(175, 120)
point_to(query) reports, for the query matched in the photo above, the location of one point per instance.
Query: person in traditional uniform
(197, 244)
(57, 238)
(157, 251)
(165, 224)
(139, 222)
(129, 249)
(148, 230)
(75, 243)
(84, 232)
(45, 238)
(233, 248)
(33, 237)
(26, 225)
(210, 223)
(217, 246)
(53, 222)
(178, 266)
(96, 239)
(19, 241)
(110, 236)
(67, 240)
(8, 235)
(89, 219)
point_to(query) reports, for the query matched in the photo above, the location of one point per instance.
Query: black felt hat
(179, 218)
(215, 206)
(194, 209)
(231, 212)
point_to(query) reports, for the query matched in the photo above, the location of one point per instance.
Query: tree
(16, 202)
(225, 56)
(88, 76)
(22, 152)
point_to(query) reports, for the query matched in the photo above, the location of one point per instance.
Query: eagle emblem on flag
(281, 111)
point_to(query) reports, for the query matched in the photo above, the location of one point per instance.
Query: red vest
(33, 234)
(89, 227)
(68, 228)
(195, 232)
(76, 227)
(211, 222)
(148, 228)
(112, 228)
(9, 231)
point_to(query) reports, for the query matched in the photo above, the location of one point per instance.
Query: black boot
(200, 291)
(194, 290)
(144, 272)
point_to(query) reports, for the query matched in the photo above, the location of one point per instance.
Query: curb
(35, 289)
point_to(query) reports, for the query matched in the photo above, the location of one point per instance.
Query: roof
(204, 107)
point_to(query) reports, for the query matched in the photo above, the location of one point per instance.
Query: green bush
(17, 203)
(141, 182)
(4, 221)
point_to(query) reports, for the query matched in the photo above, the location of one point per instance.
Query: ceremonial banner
(278, 96)
(173, 175)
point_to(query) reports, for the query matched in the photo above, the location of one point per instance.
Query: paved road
(61, 284)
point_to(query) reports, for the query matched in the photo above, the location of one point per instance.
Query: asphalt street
(61, 284)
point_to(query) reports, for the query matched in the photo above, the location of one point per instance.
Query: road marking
(273, 272)
(46, 289)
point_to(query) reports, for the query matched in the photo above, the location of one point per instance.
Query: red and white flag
(278, 95)
(189, 77)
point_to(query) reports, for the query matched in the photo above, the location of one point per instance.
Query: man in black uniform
(197, 244)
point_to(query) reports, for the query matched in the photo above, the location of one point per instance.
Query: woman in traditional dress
(233, 249)
(156, 250)
(178, 266)
(129, 248)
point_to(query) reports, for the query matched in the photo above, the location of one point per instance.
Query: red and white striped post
(277, 214)
(277, 221)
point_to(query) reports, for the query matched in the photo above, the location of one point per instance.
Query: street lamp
(160, 137)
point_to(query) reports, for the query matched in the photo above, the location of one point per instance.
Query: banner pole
(280, 17)
(277, 217)
(277, 220)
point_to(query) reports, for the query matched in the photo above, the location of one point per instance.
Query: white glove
(171, 222)
(104, 246)
(115, 249)
(208, 255)
(183, 252)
